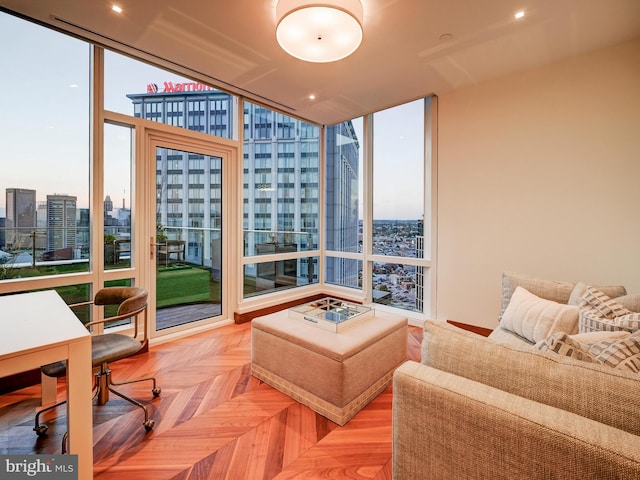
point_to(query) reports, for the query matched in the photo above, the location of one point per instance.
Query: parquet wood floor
(213, 421)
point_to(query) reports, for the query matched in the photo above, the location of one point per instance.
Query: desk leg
(49, 389)
(79, 414)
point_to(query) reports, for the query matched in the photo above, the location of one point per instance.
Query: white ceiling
(403, 56)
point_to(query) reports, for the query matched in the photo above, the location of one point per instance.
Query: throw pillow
(613, 291)
(535, 318)
(548, 289)
(603, 304)
(563, 344)
(599, 312)
(623, 354)
(630, 321)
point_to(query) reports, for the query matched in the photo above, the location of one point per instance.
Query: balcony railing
(267, 242)
(33, 247)
(40, 252)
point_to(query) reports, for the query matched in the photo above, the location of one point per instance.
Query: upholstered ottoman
(335, 374)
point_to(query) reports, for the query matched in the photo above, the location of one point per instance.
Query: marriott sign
(170, 87)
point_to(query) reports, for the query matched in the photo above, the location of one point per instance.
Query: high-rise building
(2, 232)
(41, 215)
(61, 222)
(108, 205)
(109, 220)
(41, 223)
(82, 235)
(281, 174)
(420, 281)
(20, 216)
(342, 225)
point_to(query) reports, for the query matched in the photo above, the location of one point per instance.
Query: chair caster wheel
(156, 391)
(40, 429)
(148, 425)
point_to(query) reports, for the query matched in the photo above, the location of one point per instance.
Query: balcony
(188, 264)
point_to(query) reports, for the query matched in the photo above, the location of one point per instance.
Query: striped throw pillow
(623, 354)
(599, 312)
(564, 345)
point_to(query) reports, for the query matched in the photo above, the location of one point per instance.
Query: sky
(54, 69)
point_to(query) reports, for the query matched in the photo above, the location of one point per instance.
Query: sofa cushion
(500, 335)
(547, 289)
(587, 389)
(630, 302)
(535, 318)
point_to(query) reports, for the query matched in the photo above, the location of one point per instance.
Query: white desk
(39, 328)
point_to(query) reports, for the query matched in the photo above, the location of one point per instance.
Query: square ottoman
(335, 374)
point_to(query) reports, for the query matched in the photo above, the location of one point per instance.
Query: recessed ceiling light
(312, 97)
(519, 15)
(116, 9)
(73, 85)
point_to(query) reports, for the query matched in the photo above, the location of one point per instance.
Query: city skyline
(60, 129)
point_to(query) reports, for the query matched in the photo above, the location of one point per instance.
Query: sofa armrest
(449, 427)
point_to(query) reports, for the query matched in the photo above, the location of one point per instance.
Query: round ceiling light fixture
(320, 32)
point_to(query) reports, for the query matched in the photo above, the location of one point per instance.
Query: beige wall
(539, 173)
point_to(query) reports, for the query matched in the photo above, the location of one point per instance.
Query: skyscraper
(20, 216)
(281, 172)
(3, 221)
(342, 227)
(61, 222)
(108, 205)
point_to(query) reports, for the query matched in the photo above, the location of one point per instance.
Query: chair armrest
(132, 314)
(81, 304)
(449, 427)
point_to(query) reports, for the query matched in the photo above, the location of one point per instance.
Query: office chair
(109, 347)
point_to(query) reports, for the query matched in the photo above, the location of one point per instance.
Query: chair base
(102, 386)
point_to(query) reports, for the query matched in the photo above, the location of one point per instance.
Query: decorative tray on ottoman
(331, 314)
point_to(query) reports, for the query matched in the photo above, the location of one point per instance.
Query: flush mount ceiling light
(323, 31)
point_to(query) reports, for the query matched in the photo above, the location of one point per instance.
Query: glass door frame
(158, 135)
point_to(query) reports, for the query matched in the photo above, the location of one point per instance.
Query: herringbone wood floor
(213, 421)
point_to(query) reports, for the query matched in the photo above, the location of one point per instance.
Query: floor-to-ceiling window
(117, 185)
(343, 204)
(376, 199)
(187, 195)
(398, 205)
(75, 209)
(281, 218)
(45, 162)
(300, 196)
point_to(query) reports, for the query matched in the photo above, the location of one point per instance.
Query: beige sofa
(497, 408)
